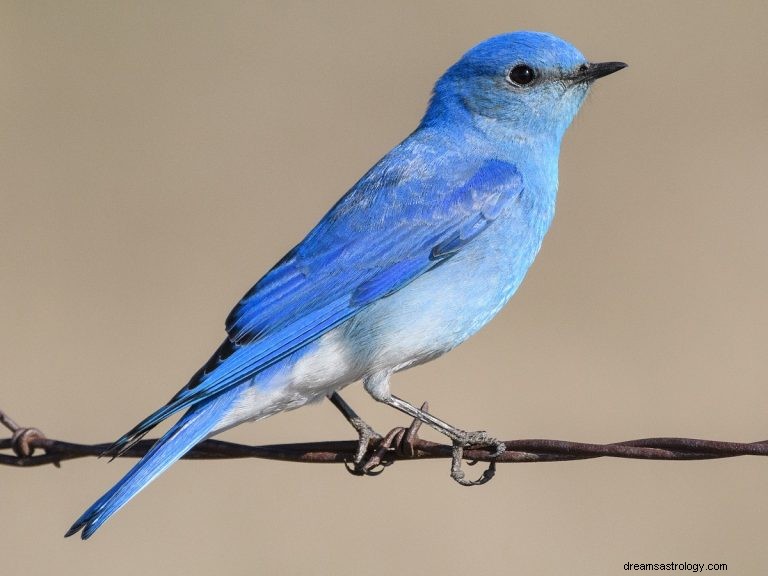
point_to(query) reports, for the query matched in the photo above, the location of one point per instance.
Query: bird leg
(365, 433)
(460, 438)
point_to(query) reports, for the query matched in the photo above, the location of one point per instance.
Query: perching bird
(419, 255)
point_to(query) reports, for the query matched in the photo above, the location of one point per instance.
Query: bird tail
(192, 428)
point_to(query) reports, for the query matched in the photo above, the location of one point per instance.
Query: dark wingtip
(116, 448)
(128, 440)
(123, 445)
(75, 528)
(87, 530)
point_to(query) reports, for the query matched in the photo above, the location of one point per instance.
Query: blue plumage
(187, 432)
(340, 268)
(416, 257)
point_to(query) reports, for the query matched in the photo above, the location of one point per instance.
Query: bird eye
(521, 75)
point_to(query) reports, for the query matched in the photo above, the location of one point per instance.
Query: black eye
(522, 74)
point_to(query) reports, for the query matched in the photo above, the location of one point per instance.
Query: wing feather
(375, 241)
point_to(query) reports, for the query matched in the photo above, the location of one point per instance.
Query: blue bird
(419, 255)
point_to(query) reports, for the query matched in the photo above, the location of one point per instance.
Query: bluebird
(419, 255)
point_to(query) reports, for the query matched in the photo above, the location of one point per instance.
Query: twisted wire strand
(24, 442)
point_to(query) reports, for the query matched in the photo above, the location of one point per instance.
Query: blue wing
(398, 222)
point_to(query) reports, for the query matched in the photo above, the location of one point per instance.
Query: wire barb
(23, 441)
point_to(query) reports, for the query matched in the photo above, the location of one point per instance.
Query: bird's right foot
(474, 440)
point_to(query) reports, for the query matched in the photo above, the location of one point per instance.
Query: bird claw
(364, 468)
(475, 440)
(399, 440)
(366, 435)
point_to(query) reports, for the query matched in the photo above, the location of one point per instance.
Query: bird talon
(374, 466)
(479, 440)
(367, 468)
(352, 468)
(399, 440)
(366, 435)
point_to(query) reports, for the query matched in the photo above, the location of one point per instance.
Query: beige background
(157, 158)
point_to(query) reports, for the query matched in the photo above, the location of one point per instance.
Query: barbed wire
(399, 444)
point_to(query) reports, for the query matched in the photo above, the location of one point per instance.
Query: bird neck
(449, 113)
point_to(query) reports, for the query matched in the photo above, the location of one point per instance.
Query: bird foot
(366, 435)
(475, 440)
(399, 440)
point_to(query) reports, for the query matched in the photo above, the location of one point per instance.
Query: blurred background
(157, 158)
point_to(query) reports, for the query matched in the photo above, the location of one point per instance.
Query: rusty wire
(25, 441)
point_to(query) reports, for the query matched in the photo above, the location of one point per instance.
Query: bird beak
(594, 70)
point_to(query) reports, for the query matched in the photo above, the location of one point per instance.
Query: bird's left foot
(475, 440)
(399, 440)
(366, 436)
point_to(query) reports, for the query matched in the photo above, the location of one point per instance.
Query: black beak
(594, 70)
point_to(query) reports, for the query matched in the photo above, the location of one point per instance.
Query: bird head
(523, 85)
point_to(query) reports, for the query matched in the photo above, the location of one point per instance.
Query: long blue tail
(193, 427)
